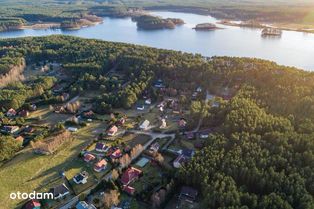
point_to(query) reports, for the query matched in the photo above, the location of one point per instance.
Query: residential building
(112, 130)
(203, 134)
(72, 129)
(89, 157)
(10, 129)
(155, 147)
(100, 165)
(81, 178)
(128, 189)
(130, 175)
(101, 147)
(24, 113)
(84, 205)
(145, 125)
(32, 204)
(59, 191)
(116, 154)
(188, 194)
(11, 112)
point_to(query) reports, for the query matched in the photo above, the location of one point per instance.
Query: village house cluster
(133, 149)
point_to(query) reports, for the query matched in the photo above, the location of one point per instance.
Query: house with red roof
(116, 154)
(182, 123)
(100, 165)
(24, 113)
(11, 112)
(89, 157)
(112, 130)
(128, 189)
(130, 175)
(32, 204)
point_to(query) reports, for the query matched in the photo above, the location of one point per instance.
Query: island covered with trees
(149, 22)
(260, 150)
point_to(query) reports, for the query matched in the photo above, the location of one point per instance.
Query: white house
(177, 163)
(72, 129)
(140, 107)
(148, 101)
(145, 125)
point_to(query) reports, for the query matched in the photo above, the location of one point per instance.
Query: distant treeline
(300, 12)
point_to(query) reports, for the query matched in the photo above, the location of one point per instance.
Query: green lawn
(44, 116)
(28, 172)
(134, 139)
(151, 176)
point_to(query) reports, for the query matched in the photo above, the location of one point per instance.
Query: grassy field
(28, 172)
(134, 139)
(44, 116)
(151, 176)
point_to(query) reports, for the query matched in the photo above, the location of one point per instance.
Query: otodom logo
(32, 195)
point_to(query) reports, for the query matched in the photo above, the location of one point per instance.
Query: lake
(292, 49)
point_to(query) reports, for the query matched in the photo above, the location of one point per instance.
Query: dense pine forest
(261, 154)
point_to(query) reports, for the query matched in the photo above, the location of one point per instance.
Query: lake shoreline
(231, 41)
(178, 9)
(207, 12)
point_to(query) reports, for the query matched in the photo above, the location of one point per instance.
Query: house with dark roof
(59, 191)
(29, 129)
(185, 156)
(130, 175)
(24, 113)
(101, 147)
(188, 194)
(188, 153)
(10, 129)
(190, 135)
(155, 147)
(81, 178)
(203, 134)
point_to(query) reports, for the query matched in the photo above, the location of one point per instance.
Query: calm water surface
(292, 49)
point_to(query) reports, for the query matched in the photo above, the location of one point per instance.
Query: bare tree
(111, 198)
(125, 160)
(136, 151)
(114, 174)
(51, 144)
